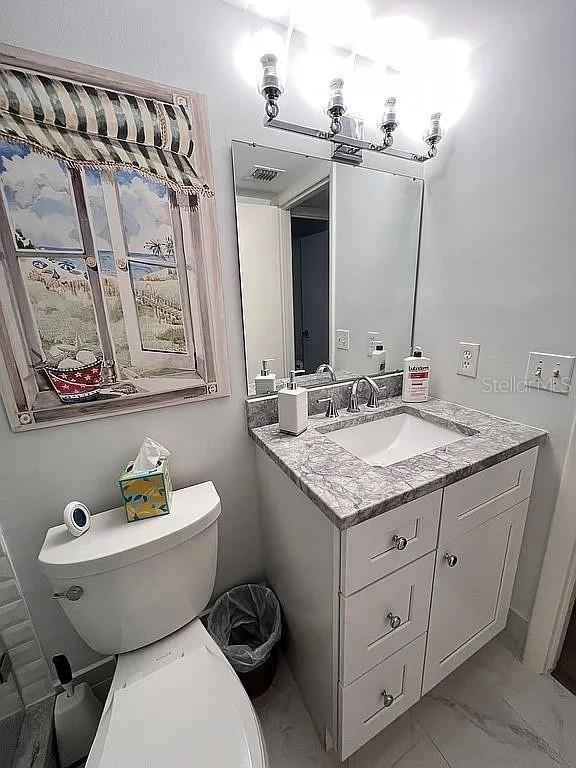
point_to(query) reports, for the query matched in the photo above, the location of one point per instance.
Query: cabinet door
(471, 595)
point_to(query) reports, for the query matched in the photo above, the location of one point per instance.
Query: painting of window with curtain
(100, 216)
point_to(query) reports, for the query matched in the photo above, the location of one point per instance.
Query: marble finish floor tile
(423, 755)
(548, 707)
(491, 713)
(404, 744)
(474, 727)
(292, 742)
(290, 737)
(282, 683)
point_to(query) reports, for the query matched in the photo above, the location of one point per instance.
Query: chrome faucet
(372, 400)
(327, 368)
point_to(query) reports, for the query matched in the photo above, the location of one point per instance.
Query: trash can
(246, 623)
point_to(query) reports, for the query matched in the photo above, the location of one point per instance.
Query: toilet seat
(178, 703)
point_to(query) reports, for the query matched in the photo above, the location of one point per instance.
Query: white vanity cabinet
(379, 613)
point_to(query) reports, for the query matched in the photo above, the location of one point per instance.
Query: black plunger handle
(63, 668)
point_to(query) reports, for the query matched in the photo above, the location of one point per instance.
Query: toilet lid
(191, 712)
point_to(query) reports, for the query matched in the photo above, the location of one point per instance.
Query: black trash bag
(246, 624)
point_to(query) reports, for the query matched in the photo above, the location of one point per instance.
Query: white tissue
(148, 455)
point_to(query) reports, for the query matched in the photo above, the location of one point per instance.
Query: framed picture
(110, 277)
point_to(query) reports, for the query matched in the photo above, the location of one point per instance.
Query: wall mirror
(328, 265)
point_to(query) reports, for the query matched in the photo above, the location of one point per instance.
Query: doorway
(310, 285)
(565, 671)
(310, 263)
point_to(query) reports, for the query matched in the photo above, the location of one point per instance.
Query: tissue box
(146, 494)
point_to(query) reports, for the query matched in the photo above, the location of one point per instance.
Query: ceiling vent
(264, 174)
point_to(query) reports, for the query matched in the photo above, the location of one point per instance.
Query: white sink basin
(393, 438)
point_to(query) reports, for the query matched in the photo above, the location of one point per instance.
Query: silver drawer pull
(388, 699)
(399, 542)
(395, 621)
(451, 560)
(72, 593)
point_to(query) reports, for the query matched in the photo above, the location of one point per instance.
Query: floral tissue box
(146, 494)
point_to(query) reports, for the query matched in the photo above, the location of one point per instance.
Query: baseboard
(514, 634)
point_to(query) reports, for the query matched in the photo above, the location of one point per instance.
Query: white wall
(498, 264)
(374, 249)
(261, 274)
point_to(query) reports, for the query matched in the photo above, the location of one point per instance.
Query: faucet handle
(331, 409)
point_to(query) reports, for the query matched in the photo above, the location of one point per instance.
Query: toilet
(136, 590)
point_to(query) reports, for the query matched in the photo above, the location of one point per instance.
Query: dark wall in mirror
(328, 263)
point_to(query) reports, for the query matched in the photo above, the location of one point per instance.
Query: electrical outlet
(550, 372)
(468, 359)
(342, 339)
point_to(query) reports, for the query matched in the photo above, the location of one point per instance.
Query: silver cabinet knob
(388, 699)
(400, 542)
(395, 621)
(72, 593)
(451, 560)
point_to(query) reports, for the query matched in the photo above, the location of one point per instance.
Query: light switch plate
(468, 355)
(342, 339)
(550, 372)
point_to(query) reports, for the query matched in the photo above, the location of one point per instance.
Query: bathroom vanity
(393, 551)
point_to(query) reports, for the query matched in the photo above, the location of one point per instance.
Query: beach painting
(103, 281)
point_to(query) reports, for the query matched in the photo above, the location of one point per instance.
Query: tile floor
(490, 713)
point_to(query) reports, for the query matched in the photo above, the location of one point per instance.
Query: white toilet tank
(129, 584)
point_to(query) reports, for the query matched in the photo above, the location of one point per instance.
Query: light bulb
(426, 93)
(270, 9)
(315, 69)
(251, 50)
(445, 56)
(335, 22)
(367, 91)
(394, 41)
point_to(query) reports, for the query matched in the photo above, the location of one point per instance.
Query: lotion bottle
(265, 382)
(293, 407)
(416, 381)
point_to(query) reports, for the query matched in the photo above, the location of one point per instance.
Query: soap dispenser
(293, 407)
(265, 382)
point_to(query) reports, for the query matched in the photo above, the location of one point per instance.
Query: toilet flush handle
(72, 593)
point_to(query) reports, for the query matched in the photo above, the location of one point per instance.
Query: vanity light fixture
(271, 89)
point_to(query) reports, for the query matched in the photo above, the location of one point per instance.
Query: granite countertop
(349, 491)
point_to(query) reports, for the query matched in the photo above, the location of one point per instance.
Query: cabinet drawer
(369, 550)
(363, 710)
(367, 636)
(472, 501)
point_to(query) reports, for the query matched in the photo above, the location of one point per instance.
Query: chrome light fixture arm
(271, 89)
(347, 141)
